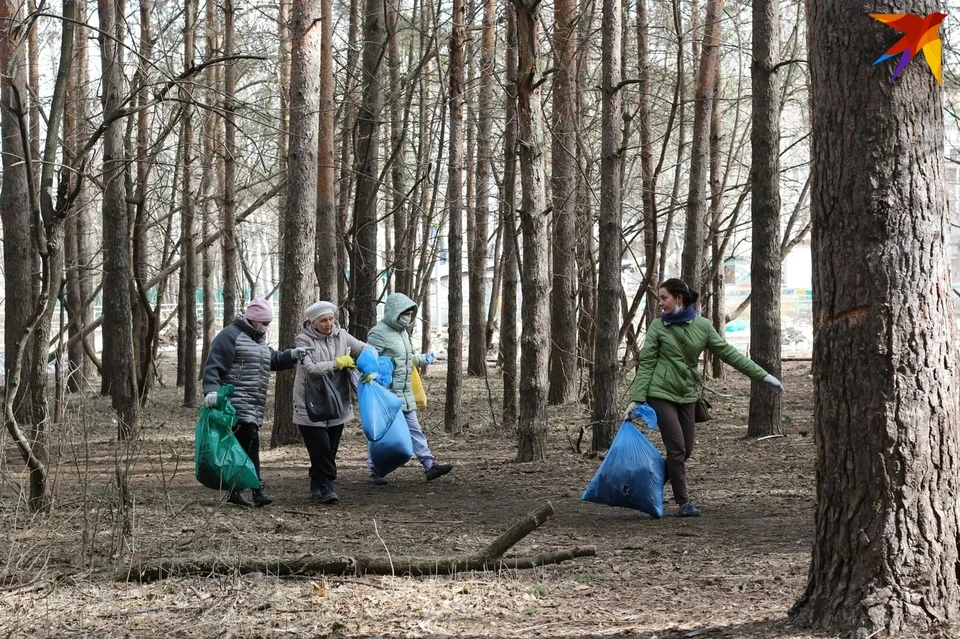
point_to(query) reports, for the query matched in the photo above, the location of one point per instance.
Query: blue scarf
(687, 314)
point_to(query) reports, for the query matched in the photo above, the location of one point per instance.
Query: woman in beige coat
(330, 352)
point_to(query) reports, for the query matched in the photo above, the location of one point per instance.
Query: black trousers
(322, 445)
(249, 437)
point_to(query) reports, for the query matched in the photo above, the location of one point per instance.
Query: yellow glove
(345, 361)
(369, 378)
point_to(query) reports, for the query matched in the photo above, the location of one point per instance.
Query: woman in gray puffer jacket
(330, 352)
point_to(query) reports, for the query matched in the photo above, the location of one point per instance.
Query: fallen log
(490, 558)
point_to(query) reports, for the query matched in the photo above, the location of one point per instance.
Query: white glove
(210, 399)
(631, 413)
(773, 381)
(300, 352)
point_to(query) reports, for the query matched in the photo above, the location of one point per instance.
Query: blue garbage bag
(367, 362)
(632, 475)
(384, 426)
(393, 449)
(386, 371)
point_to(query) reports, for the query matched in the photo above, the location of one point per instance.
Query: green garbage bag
(219, 460)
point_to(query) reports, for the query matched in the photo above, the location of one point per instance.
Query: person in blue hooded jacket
(391, 338)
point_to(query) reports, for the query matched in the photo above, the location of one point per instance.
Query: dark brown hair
(679, 288)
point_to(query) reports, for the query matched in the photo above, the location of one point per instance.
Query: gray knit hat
(319, 309)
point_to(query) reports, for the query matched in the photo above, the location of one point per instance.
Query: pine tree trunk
(327, 269)
(364, 285)
(479, 343)
(345, 187)
(118, 350)
(231, 305)
(210, 188)
(716, 311)
(692, 259)
(188, 218)
(563, 181)
(534, 278)
(887, 436)
(451, 414)
(18, 258)
(398, 186)
(764, 416)
(649, 197)
(606, 375)
(511, 270)
(299, 234)
(586, 265)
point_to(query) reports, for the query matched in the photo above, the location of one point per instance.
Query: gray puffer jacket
(240, 356)
(319, 363)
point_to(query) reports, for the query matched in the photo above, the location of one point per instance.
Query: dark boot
(328, 495)
(316, 488)
(438, 470)
(236, 497)
(260, 496)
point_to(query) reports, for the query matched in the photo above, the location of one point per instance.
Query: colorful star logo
(921, 35)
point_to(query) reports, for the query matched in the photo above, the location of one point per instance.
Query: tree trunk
(364, 285)
(231, 305)
(211, 177)
(451, 414)
(534, 278)
(764, 416)
(586, 265)
(717, 311)
(327, 268)
(188, 217)
(479, 344)
(511, 268)
(649, 196)
(563, 180)
(606, 374)
(18, 251)
(887, 436)
(398, 187)
(692, 258)
(299, 233)
(118, 350)
(346, 157)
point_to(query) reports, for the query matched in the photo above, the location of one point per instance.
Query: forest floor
(733, 572)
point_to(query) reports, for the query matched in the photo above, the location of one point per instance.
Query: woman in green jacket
(666, 377)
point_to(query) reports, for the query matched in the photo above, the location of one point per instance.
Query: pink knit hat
(259, 311)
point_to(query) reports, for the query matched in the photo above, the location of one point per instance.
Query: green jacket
(393, 341)
(662, 371)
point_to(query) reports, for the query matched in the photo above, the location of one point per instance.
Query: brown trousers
(678, 427)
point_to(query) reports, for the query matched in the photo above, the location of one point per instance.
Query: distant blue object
(631, 476)
(737, 325)
(386, 371)
(393, 449)
(648, 415)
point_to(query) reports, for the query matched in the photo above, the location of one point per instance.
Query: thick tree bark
(511, 268)
(296, 286)
(364, 286)
(885, 550)
(327, 268)
(118, 350)
(534, 278)
(18, 245)
(451, 413)
(606, 374)
(231, 304)
(188, 237)
(563, 182)
(764, 416)
(692, 259)
(477, 360)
